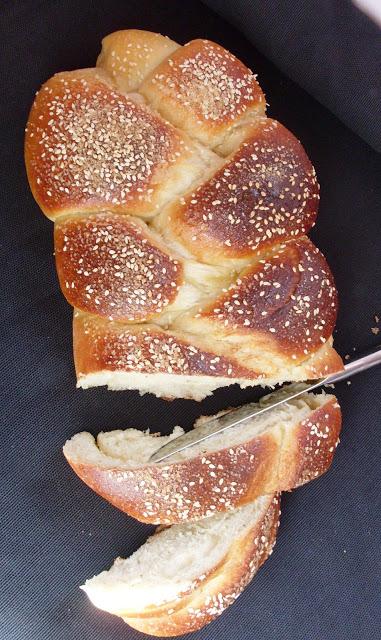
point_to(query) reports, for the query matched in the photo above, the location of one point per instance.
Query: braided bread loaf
(180, 216)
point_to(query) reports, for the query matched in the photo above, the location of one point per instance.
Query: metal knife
(234, 417)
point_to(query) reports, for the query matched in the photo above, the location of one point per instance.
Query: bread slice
(276, 451)
(186, 575)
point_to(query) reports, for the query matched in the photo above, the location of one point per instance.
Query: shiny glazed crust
(287, 302)
(129, 56)
(146, 348)
(204, 89)
(178, 135)
(90, 148)
(110, 348)
(265, 193)
(108, 264)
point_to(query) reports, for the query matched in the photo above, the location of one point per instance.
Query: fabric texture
(329, 47)
(323, 580)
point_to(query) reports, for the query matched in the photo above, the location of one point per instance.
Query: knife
(234, 417)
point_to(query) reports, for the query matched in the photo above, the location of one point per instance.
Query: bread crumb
(375, 330)
(347, 356)
(376, 319)
(349, 382)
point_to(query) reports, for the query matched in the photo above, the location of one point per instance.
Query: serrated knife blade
(234, 417)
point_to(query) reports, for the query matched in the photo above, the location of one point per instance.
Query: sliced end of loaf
(186, 575)
(179, 364)
(162, 385)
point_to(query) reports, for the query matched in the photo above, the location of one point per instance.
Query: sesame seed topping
(149, 349)
(100, 152)
(290, 300)
(133, 282)
(94, 147)
(239, 210)
(208, 82)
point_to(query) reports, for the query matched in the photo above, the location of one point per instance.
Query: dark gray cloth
(329, 47)
(323, 580)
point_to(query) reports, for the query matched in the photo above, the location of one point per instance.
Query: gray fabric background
(323, 580)
(329, 47)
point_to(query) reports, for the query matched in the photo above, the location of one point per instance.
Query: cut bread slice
(276, 451)
(186, 575)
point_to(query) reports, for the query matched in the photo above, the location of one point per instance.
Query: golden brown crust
(287, 300)
(308, 451)
(102, 346)
(220, 588)
(323, 362)
(129, 56)
(145, 348)
(205, 90)
(265, 193)
(89, 148)
(114, 266)
(168, 493)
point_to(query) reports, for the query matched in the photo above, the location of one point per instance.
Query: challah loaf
(188, 574)
(277, 451)
(180, 216)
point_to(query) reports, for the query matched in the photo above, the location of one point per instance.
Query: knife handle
(372, 359)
